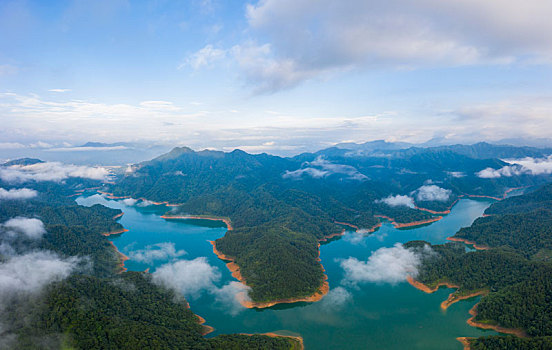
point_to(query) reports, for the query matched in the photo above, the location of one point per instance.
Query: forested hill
(68, 291)
(523, 223)
(284, 206)
(514, 270)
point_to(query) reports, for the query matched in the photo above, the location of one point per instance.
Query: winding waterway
(361, 316)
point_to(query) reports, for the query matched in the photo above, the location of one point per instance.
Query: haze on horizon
(276, 76)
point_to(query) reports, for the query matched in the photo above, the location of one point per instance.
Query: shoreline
(445, 212)
(118, 216)
(110, 195)
(235, 270)
(276, 335)
(513, 331)
(465, 241)
(473, 311)
(355, 227)
(465, 342)
(118, 232)
(201, 322)
(409, 224)
(122, 258)
(451, 299)
(199, 217)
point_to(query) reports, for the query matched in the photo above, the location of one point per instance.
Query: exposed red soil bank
(201, 321)
(122, 258)
(409, 224)
(478, 247)
(447, 211)
(473, 312)
(465, 341)
(517, 332)
(199, 217)
(118, 232)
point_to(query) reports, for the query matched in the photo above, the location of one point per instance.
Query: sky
(275, 76)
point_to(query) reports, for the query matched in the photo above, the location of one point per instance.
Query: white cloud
(229, 296)
(31, 272)
(321, 167)
(456, 174)
(507, 171)
(144, 203)
(189, 277)
(534, 166)
(158, 251)
(194, 277)
(50, 171)
(398, 200)
(59, 90)
(312, 172)
(30, 227)
(385, 265)
(129, 201)
(203, 57)
(336, 298)
(527, 166)
(17, 193)
(307, 41)
(432, 193)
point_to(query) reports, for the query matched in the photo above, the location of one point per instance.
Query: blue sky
(280, 76)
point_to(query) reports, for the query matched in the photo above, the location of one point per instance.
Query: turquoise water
(361, 316)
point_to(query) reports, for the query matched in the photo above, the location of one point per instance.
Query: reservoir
(370, 315)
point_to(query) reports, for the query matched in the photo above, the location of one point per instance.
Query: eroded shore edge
(452, 298)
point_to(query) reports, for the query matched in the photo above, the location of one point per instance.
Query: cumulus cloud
(29, 227)
(432, 193)
(320, 168)
(507, 171)
(22, 278)
(17, 193)
(527, 166)
(129, 201)
(194, 277)
(534, 166)
(189, 277)
(398, 200)
(336, 298)
(159, 251)
(51, 171)
(145, 203)
(31, 272)
(230, 295)
(359, 237)
(385, 265)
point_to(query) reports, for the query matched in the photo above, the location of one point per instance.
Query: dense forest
(279, 204)
(515, 273)
(97, 307)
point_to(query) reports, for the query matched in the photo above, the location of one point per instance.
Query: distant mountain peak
(23, 161)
